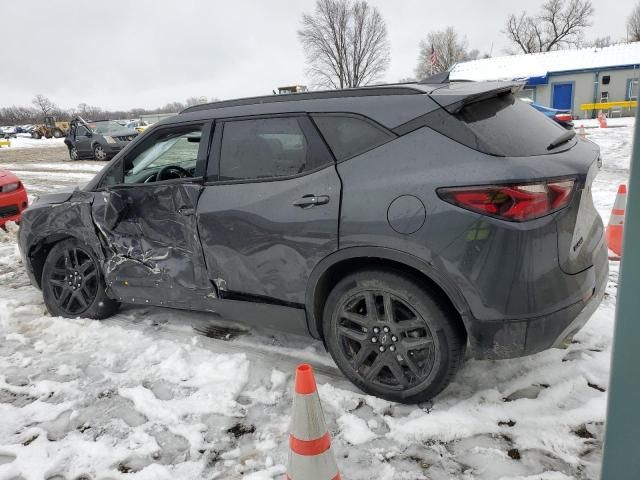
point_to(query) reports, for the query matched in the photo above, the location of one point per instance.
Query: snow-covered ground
(165, 394)
(24, 140)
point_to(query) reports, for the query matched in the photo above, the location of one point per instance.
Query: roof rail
(323, 94)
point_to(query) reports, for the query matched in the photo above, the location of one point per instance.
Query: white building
(567, 79)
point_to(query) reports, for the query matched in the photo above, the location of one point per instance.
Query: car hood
(125, 132)
(58, 196)
(7, 177)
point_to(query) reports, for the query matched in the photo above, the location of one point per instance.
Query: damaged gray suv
(403, 225)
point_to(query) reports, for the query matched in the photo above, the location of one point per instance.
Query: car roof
(390, 105)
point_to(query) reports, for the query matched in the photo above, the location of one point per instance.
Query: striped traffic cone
(615, 228)
(310, 455)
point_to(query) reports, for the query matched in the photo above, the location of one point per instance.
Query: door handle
(186, 211)
(308, 201)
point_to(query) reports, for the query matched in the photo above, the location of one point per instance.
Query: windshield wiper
(564, 138)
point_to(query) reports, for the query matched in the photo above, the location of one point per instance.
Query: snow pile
(163, 394)
(22, 140)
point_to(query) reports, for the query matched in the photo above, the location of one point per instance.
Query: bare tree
(633, 24)
(559, 24)
(192, 101)
(44, 104)
(601, 42)
(345, 42)
(441, 50)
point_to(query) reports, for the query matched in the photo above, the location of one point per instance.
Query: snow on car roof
(510, 67)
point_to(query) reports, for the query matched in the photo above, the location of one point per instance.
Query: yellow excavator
(50, 128)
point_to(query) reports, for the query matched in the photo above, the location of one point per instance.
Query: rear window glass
(349, 136)
(502, 125)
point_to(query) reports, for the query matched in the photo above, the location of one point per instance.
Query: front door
(562, 96)
(145, 216)
(82, 141)
(270, 208)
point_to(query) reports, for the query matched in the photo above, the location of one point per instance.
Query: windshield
(105, 127)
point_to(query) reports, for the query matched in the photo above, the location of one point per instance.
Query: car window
(81, 131)
(263, 148)
(176, 147)
(349, 136)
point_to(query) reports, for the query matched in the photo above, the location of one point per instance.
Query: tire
(408, 358)
(99, 153)
(73, 153)
(36, 135)
(57, 133)
(72, 262)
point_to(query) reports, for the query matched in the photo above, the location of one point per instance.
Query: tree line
(42, 106)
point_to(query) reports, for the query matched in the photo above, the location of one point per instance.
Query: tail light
(515, 203)
(563, 117)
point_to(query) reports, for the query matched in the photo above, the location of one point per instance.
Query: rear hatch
(488, 117)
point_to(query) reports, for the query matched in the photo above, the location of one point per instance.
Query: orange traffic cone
(582, 132)
(310, 455)
(602, 119)
(615, 228)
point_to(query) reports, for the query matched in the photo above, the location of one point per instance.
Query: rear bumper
(502, 339)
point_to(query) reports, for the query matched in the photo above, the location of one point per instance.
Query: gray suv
(403, 225)
(99, 140)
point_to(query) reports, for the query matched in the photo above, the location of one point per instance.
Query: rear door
(270, 208)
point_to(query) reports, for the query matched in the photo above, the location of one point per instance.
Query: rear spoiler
(454, 96)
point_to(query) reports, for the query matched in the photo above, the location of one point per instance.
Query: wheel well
(38, 254)
(338, 271)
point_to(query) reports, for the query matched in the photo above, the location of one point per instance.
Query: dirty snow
(164, 394)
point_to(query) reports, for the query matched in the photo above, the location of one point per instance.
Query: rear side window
(349, 136)
(263, 148)
(502, 125)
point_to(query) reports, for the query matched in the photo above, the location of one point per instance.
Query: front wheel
(73, 153)
(99, 152)
(391, 337)
(57, 133)
(72, 283)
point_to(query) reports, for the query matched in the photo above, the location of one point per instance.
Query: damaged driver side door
(144, 213)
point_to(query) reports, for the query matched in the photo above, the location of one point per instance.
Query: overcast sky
(146, 53)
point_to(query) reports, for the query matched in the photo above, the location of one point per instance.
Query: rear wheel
(99, 152)
(57, 133)
(390, 337)
(72, 283)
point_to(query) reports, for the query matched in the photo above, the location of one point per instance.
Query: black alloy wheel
(391, 337)
(386, 340)
(72, 283)
(74, 279)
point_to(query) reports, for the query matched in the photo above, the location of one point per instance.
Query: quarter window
(264, 148)
(349, 136)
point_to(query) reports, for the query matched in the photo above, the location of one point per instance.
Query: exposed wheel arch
(339, 264)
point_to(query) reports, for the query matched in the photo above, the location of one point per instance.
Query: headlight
(109, 139)
(10, 187)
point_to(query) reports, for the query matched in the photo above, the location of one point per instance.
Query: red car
(13, 198)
